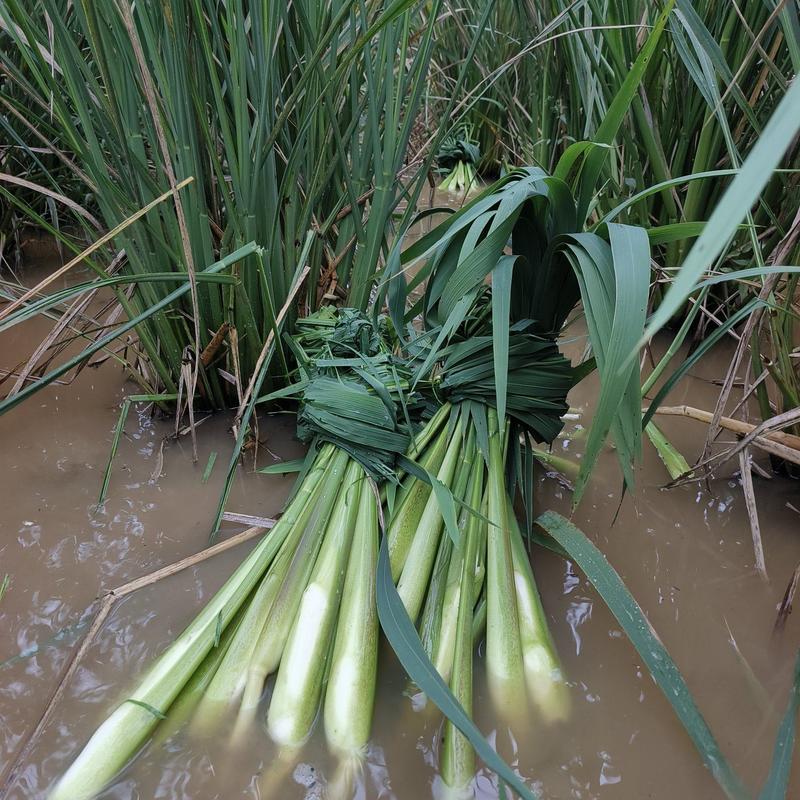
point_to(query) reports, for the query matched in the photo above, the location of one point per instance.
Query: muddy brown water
(685, 554)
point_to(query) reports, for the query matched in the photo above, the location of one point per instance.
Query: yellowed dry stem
(735, 425)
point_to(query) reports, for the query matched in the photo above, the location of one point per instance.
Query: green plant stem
(298, 686)
(409, 510)
(271, 642)
(410, 501)
(458, 757)
(443, 653)
(671, 457)
(416, 571)
(350, 692)
(547, 689)
(504, 664)
(122, 734)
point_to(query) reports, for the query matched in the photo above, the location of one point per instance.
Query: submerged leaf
(777, 784)
(622, 605)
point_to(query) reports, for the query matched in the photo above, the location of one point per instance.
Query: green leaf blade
(625, 609)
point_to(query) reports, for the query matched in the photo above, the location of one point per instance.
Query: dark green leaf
(641, 634)
(777, 784)
(407, 646)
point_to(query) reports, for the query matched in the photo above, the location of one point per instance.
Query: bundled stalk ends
(423, 428)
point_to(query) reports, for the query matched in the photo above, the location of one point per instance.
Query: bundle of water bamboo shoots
(425, 420)
(302, 606)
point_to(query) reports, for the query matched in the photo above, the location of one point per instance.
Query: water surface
(686, 555)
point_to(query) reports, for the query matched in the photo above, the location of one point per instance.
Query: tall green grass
(35, 179)
(545, 76)
(299, 119)
(290, 118)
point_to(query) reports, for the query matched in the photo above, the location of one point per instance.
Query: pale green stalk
(417, 567)
(422, 451)
(272, 640)
(563, 465)
(350, 693)
(230, 679)
(278, 774)
(504, 665)
(480, 550)
(411, 504)
(471, 494)
(431, 619)
(458, 756)
(435, 600)
(449, 181)
(448, 617)
(419, 451)
(123, 733)
(186, 703)
(429, 431)
(547, 689)
(479, 619)
(430, 460)
(298, 687)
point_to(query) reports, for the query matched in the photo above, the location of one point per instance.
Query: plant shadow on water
(685, 554)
